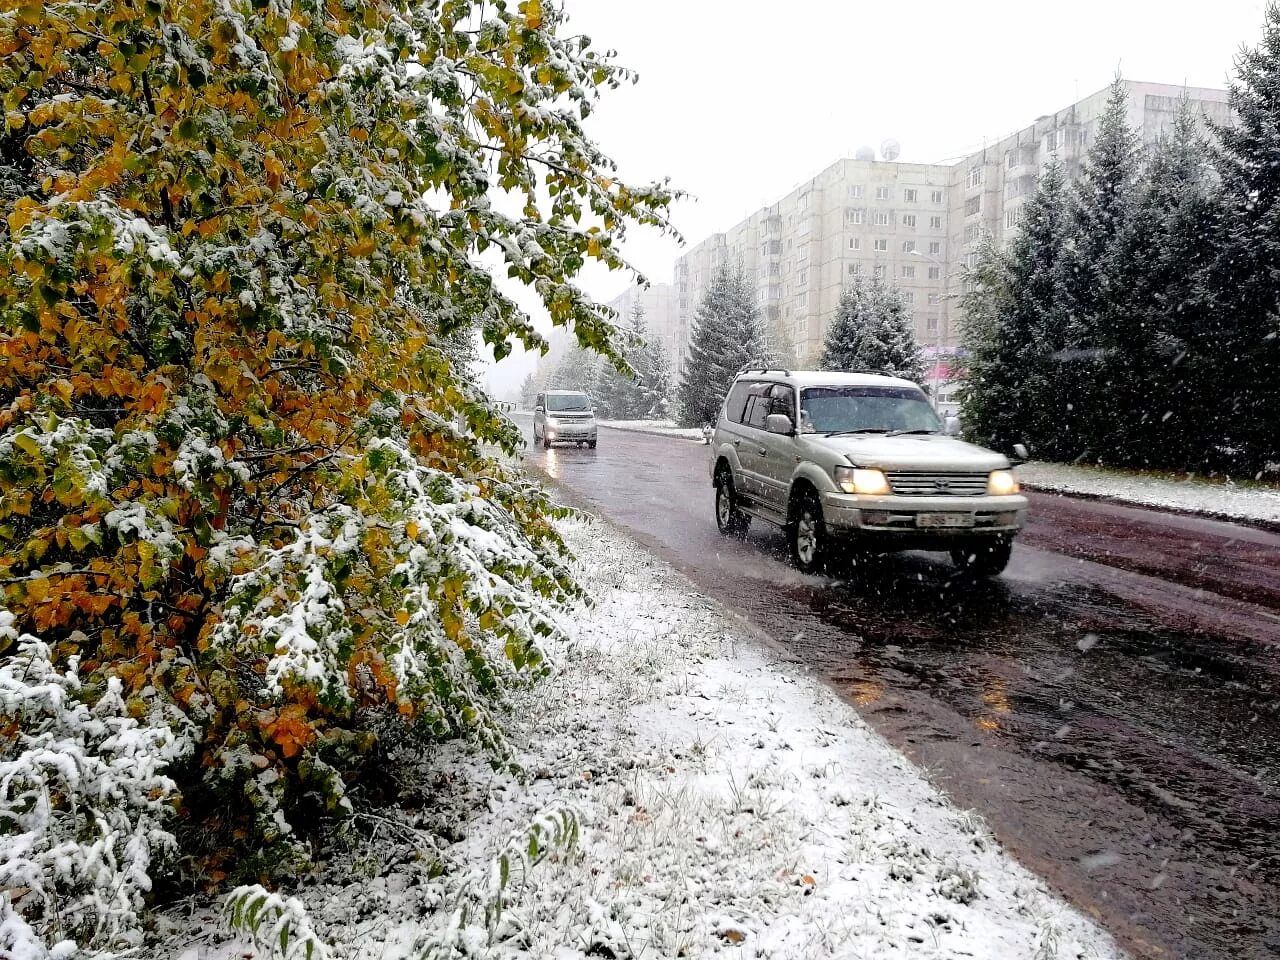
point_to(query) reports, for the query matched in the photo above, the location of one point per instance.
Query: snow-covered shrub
(85, 803)
(277, 925)
(476, 916)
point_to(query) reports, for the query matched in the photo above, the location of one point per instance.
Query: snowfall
(728, 804)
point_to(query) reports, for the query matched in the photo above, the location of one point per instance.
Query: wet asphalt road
(1109, 705)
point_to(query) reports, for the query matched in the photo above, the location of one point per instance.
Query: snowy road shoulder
(729, 805)
(658, 428)
(1225, 500)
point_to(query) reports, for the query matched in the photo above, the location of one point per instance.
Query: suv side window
(783, 400)
(735, 407)
(759, 405)
(540, 401)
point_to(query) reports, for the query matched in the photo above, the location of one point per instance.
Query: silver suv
(564, 416)
(861, 459)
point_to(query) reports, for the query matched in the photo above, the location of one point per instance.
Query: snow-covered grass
(662, 428)
(1245, 501)
(728, 805)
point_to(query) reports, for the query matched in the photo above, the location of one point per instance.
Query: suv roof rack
(762, 368)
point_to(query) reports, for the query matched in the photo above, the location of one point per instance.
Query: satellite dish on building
(890, 149)
(865, 153)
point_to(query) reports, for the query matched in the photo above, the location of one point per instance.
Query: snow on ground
(1226, 499)
(729, 806)
(662, 428)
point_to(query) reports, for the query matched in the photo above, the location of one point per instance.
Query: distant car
(859, 459)
(564, 416)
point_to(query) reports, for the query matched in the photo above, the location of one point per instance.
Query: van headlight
(1002, 483)
(858, 480)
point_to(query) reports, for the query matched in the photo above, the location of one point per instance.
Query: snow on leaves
(239, 243)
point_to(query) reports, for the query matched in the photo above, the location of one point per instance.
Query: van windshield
(563, 402)
(858, 409)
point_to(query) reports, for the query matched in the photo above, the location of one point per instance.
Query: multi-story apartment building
(916, 225)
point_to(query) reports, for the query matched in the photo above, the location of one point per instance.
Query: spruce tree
(872, 330)
(1246, 363)
(1100, 270)
(727, 336)
(1166, 372)
(1014, 322)
(649, 397)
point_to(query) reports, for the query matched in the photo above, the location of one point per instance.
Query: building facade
(658, 301)
(916, 225)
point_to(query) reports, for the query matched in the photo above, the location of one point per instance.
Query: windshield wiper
(903, 433)
(845, 433)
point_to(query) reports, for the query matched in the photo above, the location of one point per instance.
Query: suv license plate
(944, 520)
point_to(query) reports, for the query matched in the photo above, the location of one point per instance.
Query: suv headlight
(1002, 483)
(858, 480)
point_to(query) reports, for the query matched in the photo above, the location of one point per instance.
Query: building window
(908, 273)
(931, 324)
(934, 299)
(937, 196)
(973, 206)
(855, 269)
(882, 246)
(971, 261)
(855, 191)
(935, 247)
(855, 216)
(882, 219)
(879, 270)
(802, 300)
(1055, 140)
(935, 273)
(972, 232)
(882, 193)
(974, 178)
(1011, 158)
(803, 253)
(909, 196)
(1012, 217)
(855, 243)
(935, 223)
(908, 246)
(908, 296)
(803, 278)
(909, 220)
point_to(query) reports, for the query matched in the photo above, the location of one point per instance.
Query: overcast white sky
(741, 100)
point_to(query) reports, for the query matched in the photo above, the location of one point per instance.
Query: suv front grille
(908, 484)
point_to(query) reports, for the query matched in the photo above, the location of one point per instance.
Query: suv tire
(546, 441)
(807, 534)
(730, 520)
(984, 558)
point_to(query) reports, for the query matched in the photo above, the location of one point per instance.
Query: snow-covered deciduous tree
(872, 330)
(240, 274)
(728, 334)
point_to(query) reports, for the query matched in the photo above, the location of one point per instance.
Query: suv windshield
(866, 410)
(564, 402)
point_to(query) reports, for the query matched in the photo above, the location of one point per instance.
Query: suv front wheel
(731, 521)
(807, 534)
(985, 558)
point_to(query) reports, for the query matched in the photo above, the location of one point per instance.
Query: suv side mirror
(538, 409)
(779, 423)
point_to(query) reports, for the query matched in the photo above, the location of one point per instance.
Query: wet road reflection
(1119, 731)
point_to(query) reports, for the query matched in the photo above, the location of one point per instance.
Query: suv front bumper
(899, 519)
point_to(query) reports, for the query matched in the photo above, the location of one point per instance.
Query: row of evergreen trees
(1133, 320)
(644, 394)
(872, 330)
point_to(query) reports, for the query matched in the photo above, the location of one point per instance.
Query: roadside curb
(1270, 526)
(650, 433)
